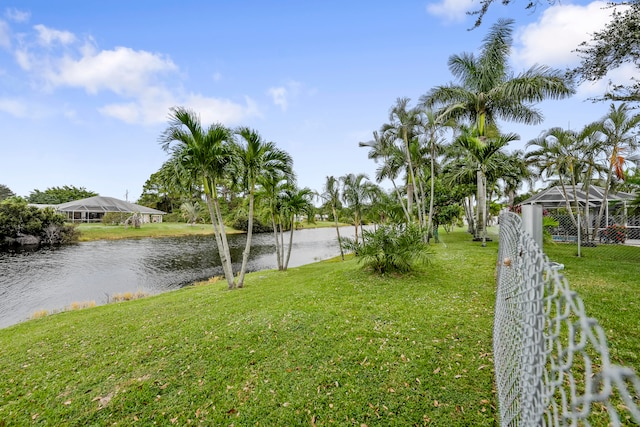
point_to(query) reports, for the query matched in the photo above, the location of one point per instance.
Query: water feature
(52, 279)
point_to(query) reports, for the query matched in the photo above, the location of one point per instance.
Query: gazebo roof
(553, 197)
(105, 204)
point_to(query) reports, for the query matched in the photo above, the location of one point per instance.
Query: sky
(86, 87)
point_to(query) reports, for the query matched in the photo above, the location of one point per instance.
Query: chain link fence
(552, 362)
(614, 232)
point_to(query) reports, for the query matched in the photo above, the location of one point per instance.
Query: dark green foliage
(5, 192)
(18, 220)
(57, 195)
(390, 248)
(258, 226)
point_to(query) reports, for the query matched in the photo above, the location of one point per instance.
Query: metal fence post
(532, 222)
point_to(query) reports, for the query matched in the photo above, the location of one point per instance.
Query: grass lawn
(100, 231)
(323, 344)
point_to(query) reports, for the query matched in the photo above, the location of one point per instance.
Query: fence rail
(551, 360)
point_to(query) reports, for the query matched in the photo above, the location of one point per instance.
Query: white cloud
(123, 70)
(282, 95)
(152, 107)
(451, 10)
(146, 84)
(279, 96)
(14, 107)
(17, 15)
(5, 35)
(554, 37)
(48, 36)
(622, 75)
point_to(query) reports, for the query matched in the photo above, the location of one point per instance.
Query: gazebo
(93, 209)
(590, 199)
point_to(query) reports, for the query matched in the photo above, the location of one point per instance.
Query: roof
(553, 197)
(105, 204)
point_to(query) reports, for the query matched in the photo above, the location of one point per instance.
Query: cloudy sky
(86, 86)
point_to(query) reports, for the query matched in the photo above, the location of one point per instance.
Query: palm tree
(558, 153)
(488, 91)
(200, 155)
(356, 191)
(269, 191)
(382, 148)
(434, 125)
(482, 150)
(293, 203)
(190, 212)
(256, 158)
(619, 129)
(403, 126)
(331, 194)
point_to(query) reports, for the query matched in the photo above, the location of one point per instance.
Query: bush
(115, 218)
(24, 224)
(393, 248)
(258, 227)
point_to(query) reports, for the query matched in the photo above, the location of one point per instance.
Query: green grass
(607, 278)
(323, 344)
(90, 232)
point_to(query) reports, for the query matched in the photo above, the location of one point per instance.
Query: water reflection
(51, 279)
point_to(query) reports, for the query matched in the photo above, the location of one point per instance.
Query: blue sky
(86, 86)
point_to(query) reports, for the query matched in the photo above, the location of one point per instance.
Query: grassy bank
(89, 232)
(323, 344)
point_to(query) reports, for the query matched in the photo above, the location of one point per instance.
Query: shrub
(115, 218)
(20, 221)
(392, 248)
(258, 227)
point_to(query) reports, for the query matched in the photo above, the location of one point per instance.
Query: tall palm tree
(558, 153)
(201, 155)
(488, 91)
(294, 202)
(356, 191)
(270, 189)
(620, 130)
(403, 126)
(433, 126)
(482, 150)
(257, 157)
(331, 194)
(383, 149)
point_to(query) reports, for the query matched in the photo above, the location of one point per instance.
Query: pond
(53, 279)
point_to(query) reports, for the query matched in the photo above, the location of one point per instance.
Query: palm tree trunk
(335, 217)
(286, 263)
(282, 245)
(604, 203)
(433, 191)
(247, 248)
(401, 200)
(275, 235)
(225, 245)
(218, 235)
(481, 200)
(412, 178)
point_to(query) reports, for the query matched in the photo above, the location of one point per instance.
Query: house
(93, 209)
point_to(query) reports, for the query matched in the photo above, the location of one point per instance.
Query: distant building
(93, 209)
